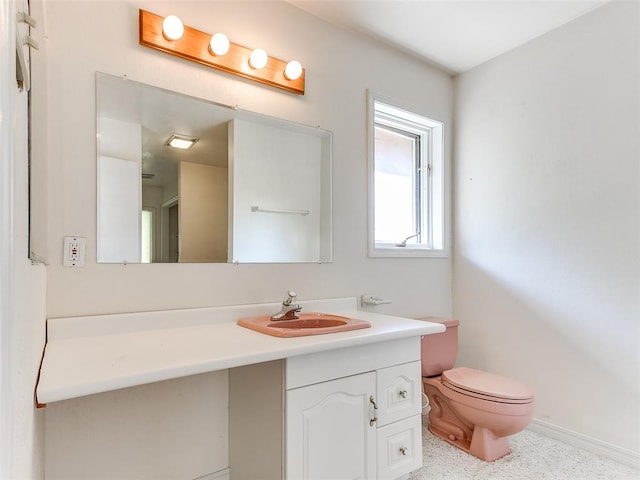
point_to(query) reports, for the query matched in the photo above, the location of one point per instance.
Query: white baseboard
(585, 442)
(220, 475)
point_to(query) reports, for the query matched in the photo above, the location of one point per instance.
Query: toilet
(474, 410)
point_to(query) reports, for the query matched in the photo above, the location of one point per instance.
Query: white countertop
(94, 354)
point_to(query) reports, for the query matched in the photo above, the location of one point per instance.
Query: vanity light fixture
(219, 44)
(172, 28)
(210, 50)
(181, 141)
(293, 70)
(258, 59)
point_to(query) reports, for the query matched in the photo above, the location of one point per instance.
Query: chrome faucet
(289, 310)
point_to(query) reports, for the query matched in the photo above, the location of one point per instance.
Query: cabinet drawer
(399, 448)
(398, 392)
(322, 366)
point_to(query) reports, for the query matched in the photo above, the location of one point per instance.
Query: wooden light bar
(194, 46)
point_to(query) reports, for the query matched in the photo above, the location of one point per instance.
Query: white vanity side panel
(322, 366)
(256, 421)
(167, 430)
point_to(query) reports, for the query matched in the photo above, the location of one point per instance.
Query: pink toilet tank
(439, 351)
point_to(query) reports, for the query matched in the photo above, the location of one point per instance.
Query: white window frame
(434, 238)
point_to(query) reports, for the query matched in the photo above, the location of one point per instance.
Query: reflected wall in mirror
(251, 189)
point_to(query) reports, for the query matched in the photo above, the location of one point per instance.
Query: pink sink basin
(307, 324)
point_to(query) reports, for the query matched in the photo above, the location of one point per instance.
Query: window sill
(407, 252)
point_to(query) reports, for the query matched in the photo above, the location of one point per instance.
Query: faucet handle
(291, 296)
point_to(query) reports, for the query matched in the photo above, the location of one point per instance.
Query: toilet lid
(487, 385)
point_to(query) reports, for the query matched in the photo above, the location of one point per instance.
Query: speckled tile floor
(533, 457)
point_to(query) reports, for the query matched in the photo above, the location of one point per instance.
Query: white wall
(119, 203)
(547, 222)
(22, 286)
(275, 169)
(152, 200)
(203, 212)
(142, 433)
(339, 69)
(85, 37)
(119, 191)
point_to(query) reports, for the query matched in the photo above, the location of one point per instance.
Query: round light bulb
(258, 58)
(293, 70)
(219, 44)
(172, 27)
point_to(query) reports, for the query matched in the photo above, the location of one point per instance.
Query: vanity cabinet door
(330, 431)
(399, 392)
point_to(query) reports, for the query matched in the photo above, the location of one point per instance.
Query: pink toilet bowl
(476, 411)
(471, 409)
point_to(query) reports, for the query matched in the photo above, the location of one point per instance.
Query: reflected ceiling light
(258, 58)
(172, 27)
(181, 141)
(293, 70)
(219, 44)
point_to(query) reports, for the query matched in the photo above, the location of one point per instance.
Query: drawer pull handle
(403, 393)
(403, 450)
(373, 402)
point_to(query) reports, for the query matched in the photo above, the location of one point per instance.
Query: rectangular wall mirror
(250, 189)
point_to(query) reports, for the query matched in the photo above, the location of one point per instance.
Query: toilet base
(483, 445)
(486, 446)
(457, 441)
(453, 425)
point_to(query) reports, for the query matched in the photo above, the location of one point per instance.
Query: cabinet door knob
(403, 450)
(373, 402)
(403, 393)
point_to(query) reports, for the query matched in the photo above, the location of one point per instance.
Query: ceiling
(455, 35)
(161, 113)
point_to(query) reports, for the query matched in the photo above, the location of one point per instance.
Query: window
(406, 170)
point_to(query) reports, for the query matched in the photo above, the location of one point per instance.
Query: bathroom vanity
(352, 397)
(366, 421)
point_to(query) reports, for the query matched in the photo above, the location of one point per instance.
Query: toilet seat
(486, 386)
